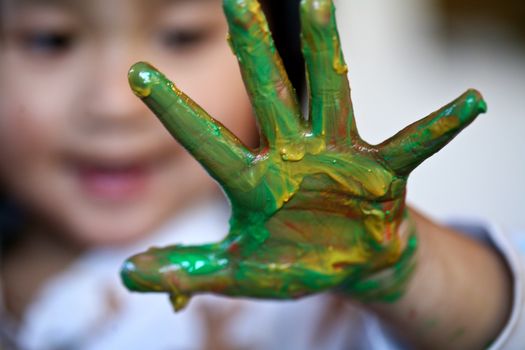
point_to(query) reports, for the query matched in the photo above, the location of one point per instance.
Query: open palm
(315, 207)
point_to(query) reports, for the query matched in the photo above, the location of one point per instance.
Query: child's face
(76, 146)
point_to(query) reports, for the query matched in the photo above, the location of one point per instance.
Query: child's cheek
(27, 142)
(22, 136)
(30, 115)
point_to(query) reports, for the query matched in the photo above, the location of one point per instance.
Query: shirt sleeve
(511, 246)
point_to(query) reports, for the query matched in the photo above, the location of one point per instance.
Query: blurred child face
(76, 146)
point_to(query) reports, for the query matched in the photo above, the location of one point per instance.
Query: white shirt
(87, 307)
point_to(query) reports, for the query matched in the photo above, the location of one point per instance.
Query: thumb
(181, 271)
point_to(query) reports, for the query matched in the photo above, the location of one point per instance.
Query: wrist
(454, 279)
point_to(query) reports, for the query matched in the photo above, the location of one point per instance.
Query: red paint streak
(290, 225)
(264, 151)
(233, 248)
(343, 122)
(340, 265)
(388, 232)
(303, 233)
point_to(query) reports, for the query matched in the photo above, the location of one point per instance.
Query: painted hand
(315, 207)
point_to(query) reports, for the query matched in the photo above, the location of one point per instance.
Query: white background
(401, 69)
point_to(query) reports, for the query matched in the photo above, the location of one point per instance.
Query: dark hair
(10, 219)
(284, 21)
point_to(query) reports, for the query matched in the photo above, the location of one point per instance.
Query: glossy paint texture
(315, 208)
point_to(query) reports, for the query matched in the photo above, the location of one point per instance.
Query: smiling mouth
(112, 181)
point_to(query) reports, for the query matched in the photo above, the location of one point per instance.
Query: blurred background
(407, 58)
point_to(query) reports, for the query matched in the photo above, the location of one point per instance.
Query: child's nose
(110, 101)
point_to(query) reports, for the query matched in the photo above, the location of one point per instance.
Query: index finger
(220, 152)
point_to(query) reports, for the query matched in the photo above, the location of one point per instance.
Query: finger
(410, 147)
(185, 271)
(179, 271)
(213, 145)
(331, 109)
(271, 93)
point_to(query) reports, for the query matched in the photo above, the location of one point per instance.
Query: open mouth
(113, 182)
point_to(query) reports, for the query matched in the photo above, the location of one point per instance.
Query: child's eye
(47, 43)
(182, 39)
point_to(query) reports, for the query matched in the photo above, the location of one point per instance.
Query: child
(98, 179)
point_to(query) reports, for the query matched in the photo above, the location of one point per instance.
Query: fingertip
(127, 272)
(142, 76)
(238, 11)
(140, 273)
(318, 11)
(231, 6)
(475, 102)
(228, 6)
(482, 106)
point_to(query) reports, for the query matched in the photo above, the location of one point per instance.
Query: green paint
(385, 287)
(432, 133)
(316, 208)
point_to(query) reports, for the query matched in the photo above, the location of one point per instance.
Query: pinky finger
(411, 146)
